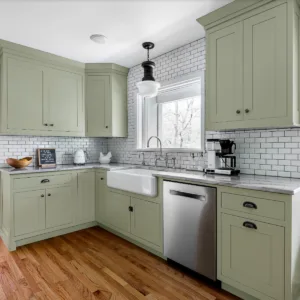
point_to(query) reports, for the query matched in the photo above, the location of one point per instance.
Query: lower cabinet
(101, 189)
(138, 218)
(59, 206)
(116, 211)
(29, 211)
(145, 220)
(252, 254)
(85, 210)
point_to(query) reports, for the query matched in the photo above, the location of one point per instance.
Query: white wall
(263, 152)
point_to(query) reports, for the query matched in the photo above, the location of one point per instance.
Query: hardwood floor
(95, 264)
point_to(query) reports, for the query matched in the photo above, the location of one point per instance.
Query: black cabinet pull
(45, 180)
(51, 124)
(250, 205)
(249, 225)
(130, 208)
(49, 194)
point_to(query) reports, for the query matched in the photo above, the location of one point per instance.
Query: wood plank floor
(95, 264)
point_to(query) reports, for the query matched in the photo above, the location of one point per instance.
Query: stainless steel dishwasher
(190, 226)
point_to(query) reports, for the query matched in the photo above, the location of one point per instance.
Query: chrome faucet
(160, 157)
(158, 139)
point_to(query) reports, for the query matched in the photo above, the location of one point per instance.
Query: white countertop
(280, 185)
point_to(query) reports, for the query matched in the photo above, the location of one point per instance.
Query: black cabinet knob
(46, 124)
(42, 196)
(102, 178)
(51, 124)
(106, 126)
(49, 194)
(238, 111)
(247, 110)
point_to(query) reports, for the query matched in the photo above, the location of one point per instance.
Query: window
(175, 115)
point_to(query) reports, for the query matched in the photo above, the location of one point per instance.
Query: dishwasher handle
(187, 195)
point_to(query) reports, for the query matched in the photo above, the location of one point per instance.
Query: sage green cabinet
(225, 74)
(146, 220)
(265, 65)
(116, 211)
(64, 107)
(137, 218)
(253, 257)
(29, 212)
(101, 191)
(252, 65)
(24, 96)
(98, 108)
(59, 206)
(38, 99)
(86, 197)
(106, 100)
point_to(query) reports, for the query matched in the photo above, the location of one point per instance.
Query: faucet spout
(158, 139)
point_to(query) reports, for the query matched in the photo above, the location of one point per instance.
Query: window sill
(167, 150)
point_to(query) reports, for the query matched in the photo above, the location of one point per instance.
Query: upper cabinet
(252, 65)
(106, 100)
(38, 98)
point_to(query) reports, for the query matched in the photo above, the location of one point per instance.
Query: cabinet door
(116, 211)
(101, 190)
(253, 257)
(29, 212)
(146, 220)
(225, 74)
(64, 108)
(265, 56)
(86, 197)
(98, 106)
(24, 96)
(59, 206)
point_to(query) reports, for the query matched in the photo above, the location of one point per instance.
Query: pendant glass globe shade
(148, 88)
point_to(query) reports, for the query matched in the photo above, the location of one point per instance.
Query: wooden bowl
(19, 163)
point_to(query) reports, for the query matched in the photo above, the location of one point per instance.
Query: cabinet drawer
(41, 181)
(255, 206)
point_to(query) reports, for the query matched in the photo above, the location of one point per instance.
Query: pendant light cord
(148, 54)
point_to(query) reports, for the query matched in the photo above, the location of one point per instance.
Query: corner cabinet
(38, 98)
(252, 65)
(106, 100)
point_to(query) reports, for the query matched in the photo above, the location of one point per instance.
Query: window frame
(142, 115)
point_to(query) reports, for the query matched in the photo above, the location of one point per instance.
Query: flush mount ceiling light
(148, 87)
(98, 38)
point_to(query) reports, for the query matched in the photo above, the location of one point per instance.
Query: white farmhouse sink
(137, 181)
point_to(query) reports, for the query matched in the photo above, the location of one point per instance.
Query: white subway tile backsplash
(273, 152)
(20, 146)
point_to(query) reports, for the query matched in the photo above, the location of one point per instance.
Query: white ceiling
(63, 27)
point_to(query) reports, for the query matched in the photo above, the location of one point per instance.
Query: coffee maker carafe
(227, 147)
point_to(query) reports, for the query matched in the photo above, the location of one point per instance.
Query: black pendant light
(148, 87)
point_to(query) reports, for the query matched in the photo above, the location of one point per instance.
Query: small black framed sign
(46, 157)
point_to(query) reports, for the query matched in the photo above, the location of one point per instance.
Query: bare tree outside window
(180, 124)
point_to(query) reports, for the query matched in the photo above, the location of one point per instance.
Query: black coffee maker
(227, 147)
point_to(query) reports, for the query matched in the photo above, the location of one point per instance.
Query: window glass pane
(180, 124)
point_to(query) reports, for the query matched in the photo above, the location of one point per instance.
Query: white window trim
(140, 114)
